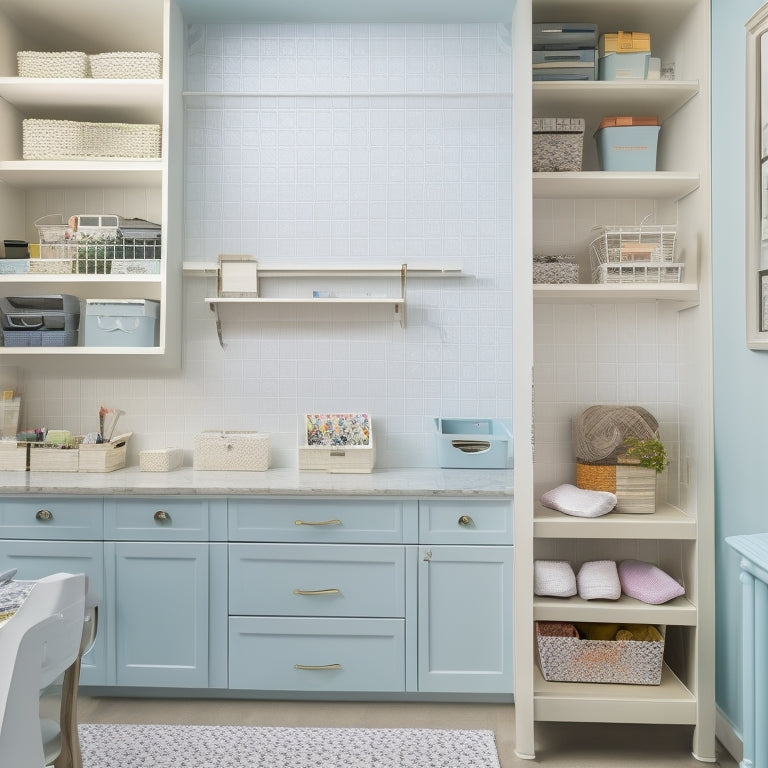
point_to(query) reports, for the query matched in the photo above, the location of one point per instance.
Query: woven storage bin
(126, 65)
(104, 457)
(14, 456)
(232, 450)
(52, 64)
(161, 459)
(557, 143)
(571, 659)
(68, 139)
(558, 268)
(44, 459)
(635, 487)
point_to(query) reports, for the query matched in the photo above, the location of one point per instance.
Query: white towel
(599, 580)
(579, 501)
(553, 578)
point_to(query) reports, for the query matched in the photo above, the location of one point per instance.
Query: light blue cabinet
(465, 619)
(160, 595)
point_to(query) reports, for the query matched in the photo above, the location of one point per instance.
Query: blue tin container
(627, 147)
(473, 444)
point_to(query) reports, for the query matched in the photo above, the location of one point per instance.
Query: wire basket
(101, 252)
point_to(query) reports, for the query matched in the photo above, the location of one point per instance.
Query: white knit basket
(126, 65)
(161, 459)
(231, 450)
(68, 139)
(56, 64)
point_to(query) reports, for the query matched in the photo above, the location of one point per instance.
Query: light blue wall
(740, 375)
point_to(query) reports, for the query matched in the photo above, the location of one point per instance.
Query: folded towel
(598, 580)
(553, 578)
(579, 502)
(646, 633)
(597, 631)
(646, 582)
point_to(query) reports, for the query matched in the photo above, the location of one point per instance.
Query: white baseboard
(726, 734)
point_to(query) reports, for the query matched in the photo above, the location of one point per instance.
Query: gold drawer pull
(162, 516)
(44, 514)
(333, 591)
(315, 667)
(466, 520)
(335, 521)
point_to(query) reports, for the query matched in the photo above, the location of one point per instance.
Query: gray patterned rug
(209, 746)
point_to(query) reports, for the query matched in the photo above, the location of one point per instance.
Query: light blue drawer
(341, 521)
(312, 654)
(164, 519)
(316, 580)
(463, 521)
(52, 518)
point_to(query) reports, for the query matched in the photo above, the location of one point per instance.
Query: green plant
(648, 453)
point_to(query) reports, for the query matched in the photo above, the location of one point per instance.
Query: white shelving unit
(678, 537)
(132, 188)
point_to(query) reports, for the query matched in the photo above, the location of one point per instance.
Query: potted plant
(636, 474)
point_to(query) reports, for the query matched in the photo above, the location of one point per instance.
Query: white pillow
(579, 502)
(599, 580)
(553, 578)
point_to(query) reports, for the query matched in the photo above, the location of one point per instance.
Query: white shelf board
(600, 97)
(670, 703)
(667, 522)
(616, 14)
(305, 300)
(78, 351)
(679, 611)
(140, 101)
(33, 174)
(671, 185)
(211, 268)
(685, 293)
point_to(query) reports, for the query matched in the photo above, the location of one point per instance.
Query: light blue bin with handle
(464, 443)
(120, 323)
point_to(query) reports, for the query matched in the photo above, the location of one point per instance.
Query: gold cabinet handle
(333, 591)
(162, 516)
(44, 514)
(466, 520)
(335, 521)
(316, 667)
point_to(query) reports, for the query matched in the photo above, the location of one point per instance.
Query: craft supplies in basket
(69, 139)
(557, 143)
(566, 656)
(555, 269)
(643, 253)
(139, 65)
(56, 64)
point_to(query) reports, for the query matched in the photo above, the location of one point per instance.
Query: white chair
(37, 645)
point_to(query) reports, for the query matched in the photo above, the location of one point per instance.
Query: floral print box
(336, 442)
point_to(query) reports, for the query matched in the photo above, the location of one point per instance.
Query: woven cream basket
(69, 139)
(56, 64)
(126, 65)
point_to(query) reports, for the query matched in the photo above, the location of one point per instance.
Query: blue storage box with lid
(120, 323)
(473, 443)
(627, 143)
(623, 66)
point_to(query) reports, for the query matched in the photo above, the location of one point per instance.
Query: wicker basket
(557, 269)
(68, 139)
(634, 486)
(557, 143)
(573, 660)
(52, 64)
(126, 65)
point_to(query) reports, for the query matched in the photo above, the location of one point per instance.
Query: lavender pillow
(646, 582)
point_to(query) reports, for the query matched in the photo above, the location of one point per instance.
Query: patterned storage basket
(126, 65)
(557, 143)
(52, 64)
(68, 139)
(556, 269)
(570, 659)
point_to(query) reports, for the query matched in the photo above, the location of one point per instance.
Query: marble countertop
(483, 483)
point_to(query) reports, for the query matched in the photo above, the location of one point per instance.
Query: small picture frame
(763, 299)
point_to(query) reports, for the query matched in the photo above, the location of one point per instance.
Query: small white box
(337, 442)
(238, 276)
(232, 450)
(161, 459)
(14, 456)
(46, 459)
(104, 457)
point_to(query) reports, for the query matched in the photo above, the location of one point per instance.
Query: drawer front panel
(52, 518)
(312, 654)
(461, 521)
(316, 580)
(340, 521)
(173, 519)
